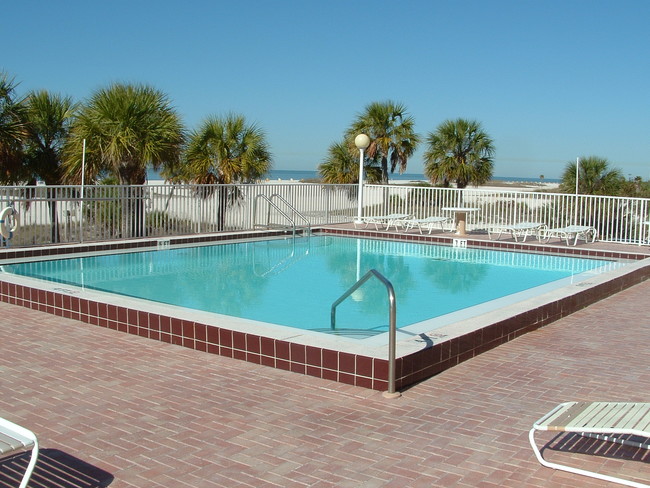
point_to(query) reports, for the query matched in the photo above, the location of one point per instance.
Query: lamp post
(575, 211)
(83, 181)
(362, 141)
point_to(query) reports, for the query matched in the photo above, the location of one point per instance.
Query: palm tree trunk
(54, 218)
(140, 212)
(384, 181)
(136, 210)
(223, 203)
(384, 170)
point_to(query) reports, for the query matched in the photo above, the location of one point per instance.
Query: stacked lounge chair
(387, 221)
(622, 423)
(521, 230)
(571, 234)
(427, 223)
(13, 439)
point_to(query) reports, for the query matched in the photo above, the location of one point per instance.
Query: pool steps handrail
(268, 224)
(392, 323)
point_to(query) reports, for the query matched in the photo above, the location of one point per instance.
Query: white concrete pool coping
(410, 339)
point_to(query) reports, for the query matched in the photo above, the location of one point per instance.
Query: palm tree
(226, 150)
(392, 137)
(342, 165)
(127, 128)
(594, 178)
(13, 132)
(459, 150)
(48, 119)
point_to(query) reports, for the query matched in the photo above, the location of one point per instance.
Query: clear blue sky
(549, 80)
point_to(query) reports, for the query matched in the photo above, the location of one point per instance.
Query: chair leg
(30, 466)
(584, 472)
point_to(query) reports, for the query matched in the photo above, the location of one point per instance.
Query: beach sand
(495, 185)
(519, 186)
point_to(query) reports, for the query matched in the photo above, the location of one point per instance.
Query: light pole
(575, 212)
(362, 141)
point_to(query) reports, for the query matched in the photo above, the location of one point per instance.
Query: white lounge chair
(391, 220)
(426, 223)
(607, 421)
(570, 233)
(522, 229)
(14, 438)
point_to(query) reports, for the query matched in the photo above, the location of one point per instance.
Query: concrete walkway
(117, 410)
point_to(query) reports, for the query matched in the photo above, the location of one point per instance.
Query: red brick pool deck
(118, 410)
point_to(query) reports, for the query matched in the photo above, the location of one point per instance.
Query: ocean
(288, 174)
(297, 175)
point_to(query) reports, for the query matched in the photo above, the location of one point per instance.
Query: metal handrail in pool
(271, 204)
(392, 323)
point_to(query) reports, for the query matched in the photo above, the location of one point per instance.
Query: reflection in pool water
(294, 282)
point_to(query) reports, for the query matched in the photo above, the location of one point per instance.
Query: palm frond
(127, 128)
(392, 135)
(461, 151)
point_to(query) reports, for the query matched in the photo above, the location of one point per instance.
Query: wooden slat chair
(13, 439)
(607, 421)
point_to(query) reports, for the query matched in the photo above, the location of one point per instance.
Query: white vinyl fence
(57, 214)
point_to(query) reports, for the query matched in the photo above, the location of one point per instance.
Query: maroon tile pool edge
(355, 369)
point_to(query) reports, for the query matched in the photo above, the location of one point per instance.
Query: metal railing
(617, 219)
(392, 322)
(56, 214)
(289, 215)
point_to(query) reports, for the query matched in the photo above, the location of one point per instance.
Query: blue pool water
(293, 282)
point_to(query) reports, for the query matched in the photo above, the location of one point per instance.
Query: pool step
(356, 333)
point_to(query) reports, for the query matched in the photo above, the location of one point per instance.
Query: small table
(460, 216)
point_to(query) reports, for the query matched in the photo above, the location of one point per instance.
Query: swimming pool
(423, 349)
(293, 282)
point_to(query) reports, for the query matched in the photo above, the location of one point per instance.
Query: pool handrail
(392, 323)
(284, 214)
